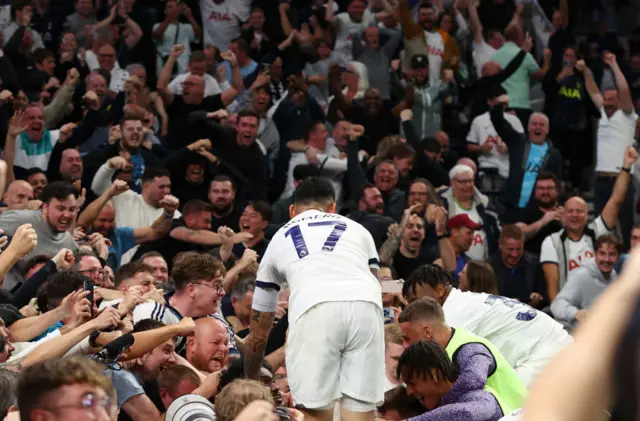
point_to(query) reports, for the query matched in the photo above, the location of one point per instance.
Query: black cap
(420, 61)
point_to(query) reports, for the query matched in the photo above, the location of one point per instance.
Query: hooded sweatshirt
(584, 285)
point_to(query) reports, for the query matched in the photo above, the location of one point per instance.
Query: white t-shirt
(614, 135)
(482, 131)
(181, 33)
(435, 46)
(331, 165)
(211, 86)
(482, 54)
(323, 257)
(36, 155)
(221, 22)
(578, 252)
(479, 247)
(515, 328)
(346, 28)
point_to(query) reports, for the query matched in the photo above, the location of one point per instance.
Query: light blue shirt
(519, 83)
(534, 164)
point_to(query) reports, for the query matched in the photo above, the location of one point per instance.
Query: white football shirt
(221, 22)
(518, 330)
(323, 257)
(482, 131)
(345, 28)
(578, 252)
(615, 133)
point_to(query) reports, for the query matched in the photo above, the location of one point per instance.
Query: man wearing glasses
(72, 388)
(464, 198)
(198, 290)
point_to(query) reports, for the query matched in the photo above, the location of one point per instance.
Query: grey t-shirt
(49, 242)
(126, 384)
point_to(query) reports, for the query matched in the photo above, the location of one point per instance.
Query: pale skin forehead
(575, 202)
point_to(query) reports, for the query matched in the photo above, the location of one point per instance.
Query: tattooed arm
(14, 365)
(256, 341)
(390, 246)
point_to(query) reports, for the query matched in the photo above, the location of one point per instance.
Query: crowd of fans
(152, 148)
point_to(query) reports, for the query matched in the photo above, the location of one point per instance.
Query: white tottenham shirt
(482, 131)
(346, 28)
(579, 251)
(479, 247)
(221, 22)
(323, 257)
(615, 133)
(515, 328)
(435, 47)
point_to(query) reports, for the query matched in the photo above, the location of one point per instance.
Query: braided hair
(421, 358)
(431, 275)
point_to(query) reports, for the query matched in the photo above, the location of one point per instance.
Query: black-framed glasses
(90, 402)
(217, 286)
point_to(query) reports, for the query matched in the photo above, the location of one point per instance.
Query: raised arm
(160, 226)
(624, 94)
(612, 208)
(91, 212)
(476, 25)
(165, 75)
(237, 85)
(590, 84)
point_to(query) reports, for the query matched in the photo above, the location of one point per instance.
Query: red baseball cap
(462, 220)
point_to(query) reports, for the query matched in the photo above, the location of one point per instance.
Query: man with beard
(370, 213)
(37, 179)
(222, 195)
(586, 283)
(565, 251)
(526, 159)
(51, 223)
(405, 244)
(616, 130)
(100, 215)
(129, 146)
(543, 216)
(208, 348)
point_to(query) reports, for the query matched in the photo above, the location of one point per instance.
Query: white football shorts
(335, 351)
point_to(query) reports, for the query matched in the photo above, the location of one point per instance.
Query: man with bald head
(526, 159)
(18, 195)
(208, 347)
(567, 250)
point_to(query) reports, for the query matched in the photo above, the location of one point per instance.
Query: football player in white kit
(335, 343)
(528, 338)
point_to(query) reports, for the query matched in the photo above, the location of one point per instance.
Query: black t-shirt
(405, 265)
(232, 220)
(180, 131)
(531, 214)
(260, 247)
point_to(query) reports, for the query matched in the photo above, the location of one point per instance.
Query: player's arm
(263, 311)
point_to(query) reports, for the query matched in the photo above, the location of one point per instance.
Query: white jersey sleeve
(548, 253)
(599, 227)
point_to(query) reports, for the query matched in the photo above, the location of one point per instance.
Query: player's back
(323, 257)
(517, 329)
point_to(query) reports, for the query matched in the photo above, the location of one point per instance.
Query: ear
(45, 210)
(292, 211)
(331, 208)
(441, 291)
(426, 331)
